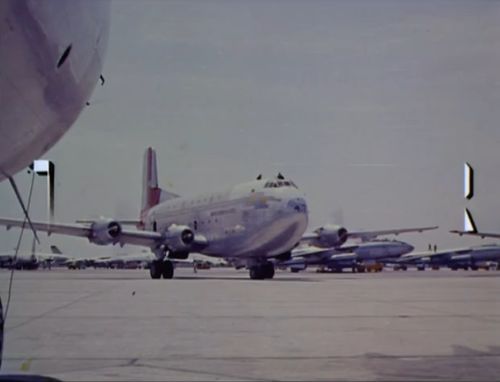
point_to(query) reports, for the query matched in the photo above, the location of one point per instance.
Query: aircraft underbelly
(39, 101)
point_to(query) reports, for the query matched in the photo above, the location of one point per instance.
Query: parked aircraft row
(461, 258)
(372, 255)
(353, 257)
(33, 259)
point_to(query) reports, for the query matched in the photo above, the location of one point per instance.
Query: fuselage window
(154, 225)
(195, 225)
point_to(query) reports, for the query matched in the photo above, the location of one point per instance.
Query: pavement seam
(47, 313)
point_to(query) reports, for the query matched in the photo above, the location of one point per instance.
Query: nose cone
(408, 248)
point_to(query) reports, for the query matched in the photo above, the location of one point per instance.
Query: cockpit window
(279, 184)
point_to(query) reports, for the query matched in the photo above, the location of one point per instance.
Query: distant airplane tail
(151, 193)
(55, 250)
(469, 224)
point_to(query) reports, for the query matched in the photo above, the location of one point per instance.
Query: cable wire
(17, 248)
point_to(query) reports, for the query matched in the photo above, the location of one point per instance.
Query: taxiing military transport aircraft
(51, 56)
(247, 225)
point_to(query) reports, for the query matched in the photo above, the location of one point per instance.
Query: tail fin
(151, 193)
(469, 225)
(55, 250)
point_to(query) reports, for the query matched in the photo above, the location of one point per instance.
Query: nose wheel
(159, 268)
(262, 271)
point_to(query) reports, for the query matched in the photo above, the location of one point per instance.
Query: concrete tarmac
(219, 325)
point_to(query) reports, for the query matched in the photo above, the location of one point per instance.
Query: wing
(368, 235)
(111, 232)
(482, 235)
(145, 238)
(64, 229)
(333, 236)
(123, 222)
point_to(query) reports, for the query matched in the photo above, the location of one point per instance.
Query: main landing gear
(159, 268)
(262, 271)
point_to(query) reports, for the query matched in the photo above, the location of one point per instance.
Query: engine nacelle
(179, 238)
(330, 236)
(105, 232)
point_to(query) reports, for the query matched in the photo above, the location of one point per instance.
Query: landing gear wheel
(262, 271)
(256, 273)
(268, 269)
(168, 270)
(155, 269)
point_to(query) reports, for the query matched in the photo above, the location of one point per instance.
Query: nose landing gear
(262, 271)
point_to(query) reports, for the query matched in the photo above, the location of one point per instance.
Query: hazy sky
(371, 107)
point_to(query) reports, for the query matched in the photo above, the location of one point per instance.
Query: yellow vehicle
(375, 267)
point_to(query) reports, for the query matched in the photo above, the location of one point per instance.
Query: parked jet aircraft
(51, 55)
(125, 261)
(33, 259)
(248, 225)
(355, 257)
(464, 258)
(144, 260)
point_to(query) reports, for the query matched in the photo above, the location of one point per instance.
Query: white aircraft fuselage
(51, 56)
(258, 219)
(382, 250)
